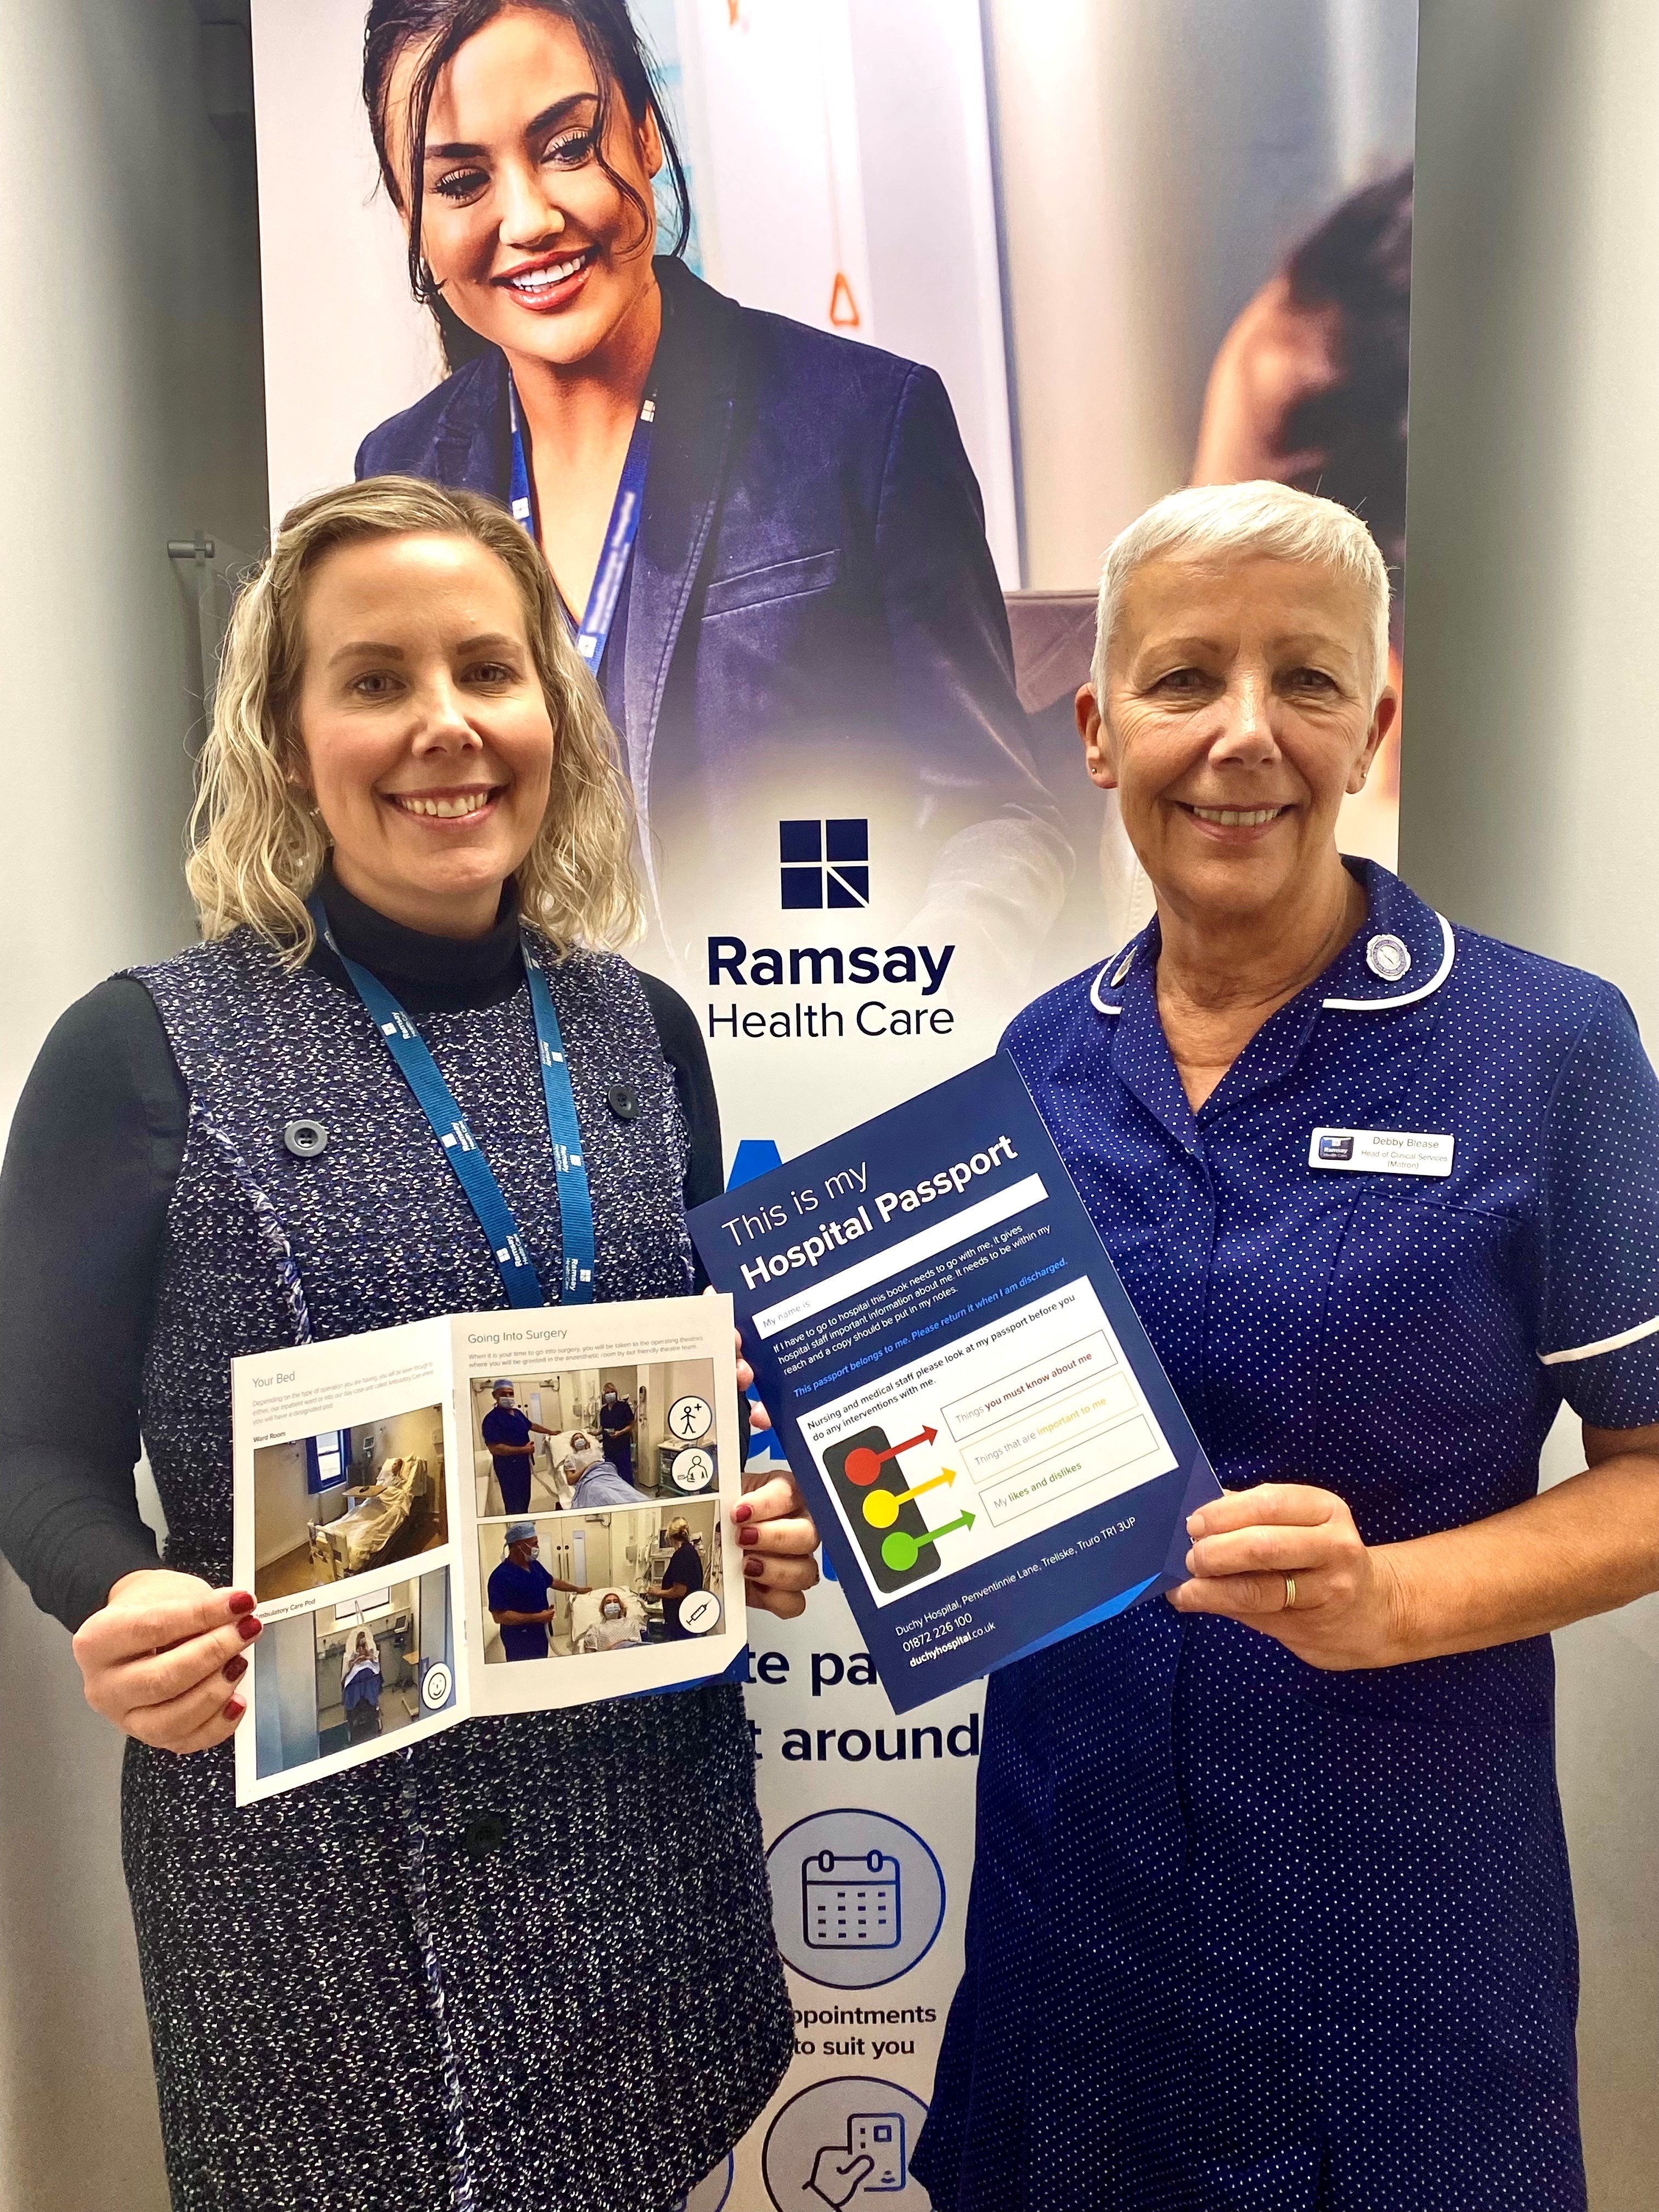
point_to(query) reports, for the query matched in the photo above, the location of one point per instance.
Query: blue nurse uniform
(513, 1588)
(685, 1568)
(1244, 1933)
(618, 1450)
(506, 1424)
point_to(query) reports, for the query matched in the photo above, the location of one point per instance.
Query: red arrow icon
(863, 1465)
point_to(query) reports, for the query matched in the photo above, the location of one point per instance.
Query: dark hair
(619, 56)
(1359, 262)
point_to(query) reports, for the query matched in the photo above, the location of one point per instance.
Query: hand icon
(837, 2171)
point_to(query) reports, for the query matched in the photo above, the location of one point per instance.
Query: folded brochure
(993, 1451)
(483, 1513)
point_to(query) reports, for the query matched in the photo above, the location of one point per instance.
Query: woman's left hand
(1287, 1559)
(778, 1537)
(758, 1416)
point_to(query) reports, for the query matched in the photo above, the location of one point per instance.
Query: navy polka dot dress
(1247, 1936)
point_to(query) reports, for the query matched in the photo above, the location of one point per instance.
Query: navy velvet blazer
(813, 624)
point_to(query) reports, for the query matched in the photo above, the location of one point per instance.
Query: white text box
(1129, 1451)
(1023, 1388)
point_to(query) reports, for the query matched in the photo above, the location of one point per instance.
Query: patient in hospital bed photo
(582, 1439)
(348, 1502)
(347, 1671)
(614, 1628)
(562, 1585)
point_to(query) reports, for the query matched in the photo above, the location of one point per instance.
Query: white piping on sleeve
(1406, 997)
(1607, 1344)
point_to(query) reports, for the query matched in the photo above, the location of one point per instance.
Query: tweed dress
(527, 1963)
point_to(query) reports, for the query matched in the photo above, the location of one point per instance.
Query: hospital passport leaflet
(483, 1513)
(994, 1452)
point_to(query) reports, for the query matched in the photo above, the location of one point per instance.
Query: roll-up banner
(964, 285)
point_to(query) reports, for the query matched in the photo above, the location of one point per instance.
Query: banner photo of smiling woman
(768, 539)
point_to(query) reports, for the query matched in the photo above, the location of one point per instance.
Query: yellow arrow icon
(881, 1506)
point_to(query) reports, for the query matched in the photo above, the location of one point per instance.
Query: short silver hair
(1225, 522)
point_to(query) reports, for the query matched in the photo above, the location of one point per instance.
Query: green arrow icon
(901, 1551)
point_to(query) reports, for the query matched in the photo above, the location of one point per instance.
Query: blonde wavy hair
(257, 842)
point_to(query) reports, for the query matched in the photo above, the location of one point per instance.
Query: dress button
(1389, 956)
(623, 1102)
(305, 1137)
(485, 1834)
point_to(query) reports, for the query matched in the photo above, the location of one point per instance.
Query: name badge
(1380, 1151)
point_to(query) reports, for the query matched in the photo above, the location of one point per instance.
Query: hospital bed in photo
(374, 1513)
(392, 1639)
(553, 1471)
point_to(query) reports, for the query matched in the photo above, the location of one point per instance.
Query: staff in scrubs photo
(768, 538)
(1271, 1903)
(410, 852)
(507, 1430)
(681, 1578)
(617, 1425)
(519, 1593)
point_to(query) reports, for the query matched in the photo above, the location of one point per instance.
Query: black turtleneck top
(96, 1146)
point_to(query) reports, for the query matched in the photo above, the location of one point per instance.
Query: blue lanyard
(625, 512)
(403, 1040)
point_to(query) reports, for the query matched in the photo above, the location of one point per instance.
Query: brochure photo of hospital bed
(347, 1672)
(348, 1502)
(653, 1424)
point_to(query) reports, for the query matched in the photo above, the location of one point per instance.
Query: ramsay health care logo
(826, 864)
(823, 864)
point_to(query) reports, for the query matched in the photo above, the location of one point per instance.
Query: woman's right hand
(163, 1658)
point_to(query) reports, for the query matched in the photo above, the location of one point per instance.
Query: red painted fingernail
(236, 1670)
(742, 1511)
(236, 1709)
(748, 1536)
(248, 1630)
(754, 1569)
(241, 1601)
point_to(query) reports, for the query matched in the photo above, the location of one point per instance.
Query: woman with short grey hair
(1271, 1906)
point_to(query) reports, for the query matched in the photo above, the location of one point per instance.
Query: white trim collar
(1404, 998)
(1094, 999)
(1448, 954)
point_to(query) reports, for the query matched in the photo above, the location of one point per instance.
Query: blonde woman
(409, 789)
(681, 1578)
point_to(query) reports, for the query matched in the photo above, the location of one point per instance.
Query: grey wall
(130, 395)
(1530, 781)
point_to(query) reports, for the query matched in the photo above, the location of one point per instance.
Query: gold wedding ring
(1290, 1593)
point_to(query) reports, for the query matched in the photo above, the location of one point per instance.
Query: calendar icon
(850, 1901)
